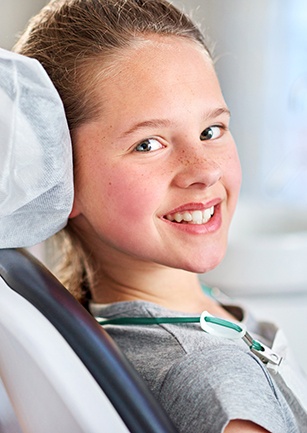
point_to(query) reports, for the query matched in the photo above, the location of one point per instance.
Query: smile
(192, 217)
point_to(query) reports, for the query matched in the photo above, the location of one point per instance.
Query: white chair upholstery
(8, 420)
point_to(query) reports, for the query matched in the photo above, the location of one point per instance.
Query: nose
(197, 171)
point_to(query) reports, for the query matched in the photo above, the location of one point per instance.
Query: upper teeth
(192, 217)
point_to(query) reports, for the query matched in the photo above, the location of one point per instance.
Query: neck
(174, 289)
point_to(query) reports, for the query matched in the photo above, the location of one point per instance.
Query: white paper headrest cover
(36, 176)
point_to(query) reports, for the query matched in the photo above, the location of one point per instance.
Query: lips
(197, 216)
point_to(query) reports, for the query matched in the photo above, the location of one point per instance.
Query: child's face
(161, 152)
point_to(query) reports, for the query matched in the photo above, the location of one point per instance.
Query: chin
(207, 263)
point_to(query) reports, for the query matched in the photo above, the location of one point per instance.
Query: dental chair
(61, 371)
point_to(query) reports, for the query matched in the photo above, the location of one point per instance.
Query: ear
(75, 211)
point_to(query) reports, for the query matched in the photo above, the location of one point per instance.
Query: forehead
(156, 65)
(144, 44)
(157, 53)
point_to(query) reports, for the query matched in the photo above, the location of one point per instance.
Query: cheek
(236, 171)
(131, 195)
(233, 177)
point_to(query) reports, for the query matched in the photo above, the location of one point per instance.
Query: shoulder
(205, 391)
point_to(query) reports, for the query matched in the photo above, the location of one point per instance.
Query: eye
(211, 133)
(148, 145)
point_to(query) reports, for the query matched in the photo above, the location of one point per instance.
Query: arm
(241, 426)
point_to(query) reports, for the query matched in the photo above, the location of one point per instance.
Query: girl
(157, 179)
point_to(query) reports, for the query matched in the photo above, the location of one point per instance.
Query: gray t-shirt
(201, 380)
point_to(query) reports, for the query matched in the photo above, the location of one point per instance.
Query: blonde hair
(71, 39)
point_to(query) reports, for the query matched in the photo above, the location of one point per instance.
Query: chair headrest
(36, 176)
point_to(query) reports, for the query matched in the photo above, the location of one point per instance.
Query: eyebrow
(164, 123)
(153, 123)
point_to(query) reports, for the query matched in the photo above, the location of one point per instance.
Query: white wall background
(14, 15)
